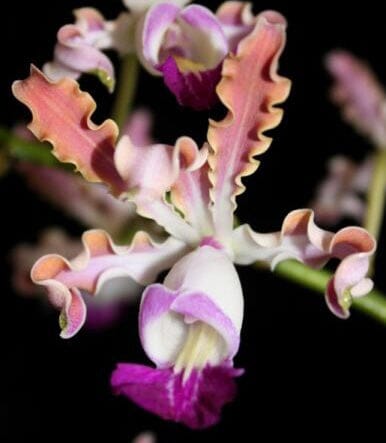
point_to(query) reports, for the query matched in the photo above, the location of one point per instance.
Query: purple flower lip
(196, 402)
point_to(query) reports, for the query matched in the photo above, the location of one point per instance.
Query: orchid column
(190, 324)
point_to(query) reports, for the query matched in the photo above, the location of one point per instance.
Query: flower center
(200, 347)
(185, 65)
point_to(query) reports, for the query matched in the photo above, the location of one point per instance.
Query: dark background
(307, 373)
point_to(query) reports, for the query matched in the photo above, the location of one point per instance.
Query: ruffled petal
(101, 261)
(302, 240)
(196, 402)
(61, 115)
(24, 256)
(150, 172)
(102, 311)
(361, 97)
(249, 89)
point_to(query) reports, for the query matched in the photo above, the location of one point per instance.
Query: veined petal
(101, 261)
(61, 115)
(361, 97)
(249, 89)
(195, 402)
(302, 240)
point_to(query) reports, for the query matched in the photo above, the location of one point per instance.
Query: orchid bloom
(185, 45)
(79, 49)
(93, 207)
(190, 324)
(363, 104)
(357, 91)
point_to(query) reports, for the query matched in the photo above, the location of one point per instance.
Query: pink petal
(149, 172)
(25, 255)
(101, 261)
(207, 42)
(61, 115)
(190, 195)
(358, 92)
(237, 21)
(157, 22)
(302, 240)
(138, 127)
(249, 89)
(197, 403)
(78, 49)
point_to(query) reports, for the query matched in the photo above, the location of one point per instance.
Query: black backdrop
(307, 373)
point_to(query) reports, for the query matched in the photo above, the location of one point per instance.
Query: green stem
(127, 83)
(376, 195)
(374, 304)
(30, 151)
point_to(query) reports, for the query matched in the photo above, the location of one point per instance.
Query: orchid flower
(362, 100)
(357, 91)
(185, 45)
(189, 324)
(79, 48)
(93, 206)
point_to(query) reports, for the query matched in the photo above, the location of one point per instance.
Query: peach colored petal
(250, 88)
(61, 115)
(301, 239)
(101, 261)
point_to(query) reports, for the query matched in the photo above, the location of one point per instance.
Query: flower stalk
(376, 195)
(127, 84)
(373, 305)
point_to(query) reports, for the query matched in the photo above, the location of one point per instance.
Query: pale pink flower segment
(184, 44)
(190, 324)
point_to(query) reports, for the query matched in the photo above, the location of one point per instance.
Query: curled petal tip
(274, 18)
